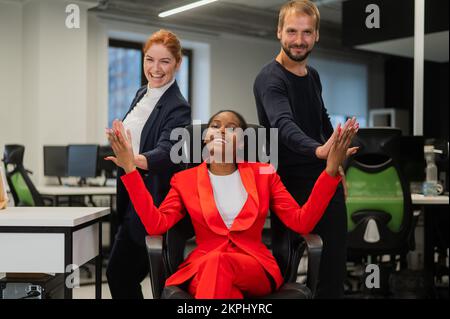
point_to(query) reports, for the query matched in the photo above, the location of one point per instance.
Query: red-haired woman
(157, 108)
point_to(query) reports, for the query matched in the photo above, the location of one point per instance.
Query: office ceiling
(256, 18)
(243, 17)
(436, 47)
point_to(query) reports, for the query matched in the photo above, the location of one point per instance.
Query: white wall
(47, 73)
(31, 85)
(235, 64)
(10, 74)
(97, 77)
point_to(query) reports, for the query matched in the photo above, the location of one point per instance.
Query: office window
(125, 76)
(344, 88)
(335, 119)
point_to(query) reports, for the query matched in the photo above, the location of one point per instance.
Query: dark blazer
(171, 111)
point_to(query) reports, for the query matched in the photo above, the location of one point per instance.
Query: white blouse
(230, 195)
(138, 116)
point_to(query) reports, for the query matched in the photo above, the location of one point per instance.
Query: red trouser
(229, 275)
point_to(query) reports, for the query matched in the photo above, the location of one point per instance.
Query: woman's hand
(339, 148)
(323, 150)
(121, 146)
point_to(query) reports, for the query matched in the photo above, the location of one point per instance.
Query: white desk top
(420, 199)
(50, 216)
(76, 190)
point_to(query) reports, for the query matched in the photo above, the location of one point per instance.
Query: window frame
(116, 43)
(189, 54)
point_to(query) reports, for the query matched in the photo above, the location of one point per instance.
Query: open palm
(121, 145)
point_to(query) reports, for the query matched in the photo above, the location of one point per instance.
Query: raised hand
(122, 147)
(323, 150)
(339, 148)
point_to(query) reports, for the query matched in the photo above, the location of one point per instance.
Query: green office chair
(379, 210)
(22, 188)
(379, 214)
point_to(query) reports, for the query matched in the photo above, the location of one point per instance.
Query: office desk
(58, 191)
(68, 191)
(76, 190)
(419, 199)
(51, 239)
(426, 204)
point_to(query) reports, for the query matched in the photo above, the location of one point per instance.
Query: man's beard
(296, 58)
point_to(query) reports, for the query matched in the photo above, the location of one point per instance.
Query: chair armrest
(154, 245)
(314, 251)
(175, 292)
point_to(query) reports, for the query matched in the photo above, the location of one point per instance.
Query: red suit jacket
(191, 192)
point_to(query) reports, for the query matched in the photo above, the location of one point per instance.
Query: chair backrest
(379, 214)
(194, 144)
(22, 188)
(13, 154)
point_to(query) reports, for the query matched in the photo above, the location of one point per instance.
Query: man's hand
(121, 146)
(339, 148)
(323, 150)
(141, 161)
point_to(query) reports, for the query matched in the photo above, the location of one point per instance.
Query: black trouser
(128, 266)
(332, 228)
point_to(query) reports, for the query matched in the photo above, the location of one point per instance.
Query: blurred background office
(64, 80)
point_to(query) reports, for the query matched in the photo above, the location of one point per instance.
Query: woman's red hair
(168, 39)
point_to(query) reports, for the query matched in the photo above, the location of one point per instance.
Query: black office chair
(379, 209)
(22, 188)
(168, 251)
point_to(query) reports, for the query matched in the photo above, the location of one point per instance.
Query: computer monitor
(55, 161)
(108, 167)
(82, 160)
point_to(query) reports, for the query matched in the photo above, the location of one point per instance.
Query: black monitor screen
(82, 160)
(55, 161)
(412, 158)
(103, 165)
